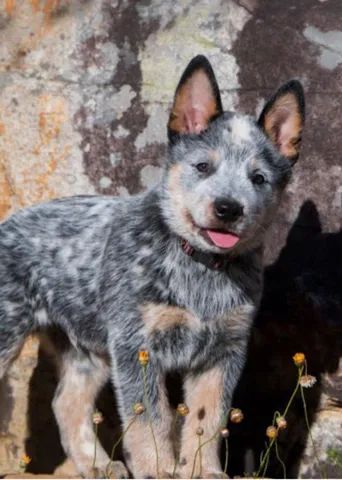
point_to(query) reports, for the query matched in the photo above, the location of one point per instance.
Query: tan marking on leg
(139, 443)
(162, 317)
(202, 394)
(81, 380)
(238, 320)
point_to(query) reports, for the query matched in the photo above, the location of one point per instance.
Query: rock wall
(85, 90)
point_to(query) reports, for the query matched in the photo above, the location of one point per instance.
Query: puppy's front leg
(147, 443)
(208, 396)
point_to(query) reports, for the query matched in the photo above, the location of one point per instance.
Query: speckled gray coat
(113, 275)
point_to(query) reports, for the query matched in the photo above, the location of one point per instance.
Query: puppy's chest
(195, 316)
(179, 339)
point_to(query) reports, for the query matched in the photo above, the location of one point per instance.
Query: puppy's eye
(258, 179)
(203, 167)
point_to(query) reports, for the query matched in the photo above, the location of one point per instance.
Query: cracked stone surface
(85, 89)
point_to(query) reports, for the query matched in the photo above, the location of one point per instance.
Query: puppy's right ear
(197, 100)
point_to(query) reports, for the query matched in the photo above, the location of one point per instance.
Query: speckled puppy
(176, 270)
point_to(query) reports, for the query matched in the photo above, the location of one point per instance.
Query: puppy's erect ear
(197, 99)
(282, 119)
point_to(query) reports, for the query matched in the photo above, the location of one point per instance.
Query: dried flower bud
(183, 409)
(271, 432)
(224, 433)
(97, 417)
(299, 359)
(199, 431)
(24, 461)
(307, 381)
(143, 357)
(281, 423)
(138, 408)
(236, 415)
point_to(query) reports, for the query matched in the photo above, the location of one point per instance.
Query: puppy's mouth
(219, 238)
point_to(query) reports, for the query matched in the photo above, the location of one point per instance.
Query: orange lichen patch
(2, 128)
(9, 6)
(6, 193)
(47, 7)
(49, 155)
(35, 5)
(51, 117)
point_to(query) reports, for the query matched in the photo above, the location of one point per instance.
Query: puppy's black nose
(227, 210)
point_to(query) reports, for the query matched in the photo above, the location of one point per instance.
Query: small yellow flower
(24, 461)
(224, 433)
(143, 357)
(307, 381)
(183, 409)
(281, 423)
(299, 359)
(199, 431)
(236, 415)
(97, 418)
(138, 408)
(271, 432)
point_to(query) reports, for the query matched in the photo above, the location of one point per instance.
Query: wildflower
(224, 433)
(281, 423)
(97, 418)
(307, 381)
(138, 408)
(299, 359)
(143, 357)
(24, 461)
(183, 409)
(236, 415)
(199, 431)
(271, 432)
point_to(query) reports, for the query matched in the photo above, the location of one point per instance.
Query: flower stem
(147, 403)
(226, 456)
(199, 449)
(265, 459)
(310, 434)
(280, 460)
(116, 444)
(176, 453)
(95, 446)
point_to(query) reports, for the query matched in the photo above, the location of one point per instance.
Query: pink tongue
(222, 240)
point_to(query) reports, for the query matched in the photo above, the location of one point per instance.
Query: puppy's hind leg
(82, 377)
(15, 325)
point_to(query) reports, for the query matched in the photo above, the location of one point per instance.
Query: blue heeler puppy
(176, 270)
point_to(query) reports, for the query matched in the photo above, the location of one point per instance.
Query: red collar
(214, 261)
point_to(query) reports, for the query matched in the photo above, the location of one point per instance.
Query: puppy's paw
(165, 474)
(204, 474)
(161, 474)
(213, 475)
(114, 469)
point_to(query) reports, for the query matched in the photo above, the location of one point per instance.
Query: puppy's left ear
(197, 99)
(282, 119)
